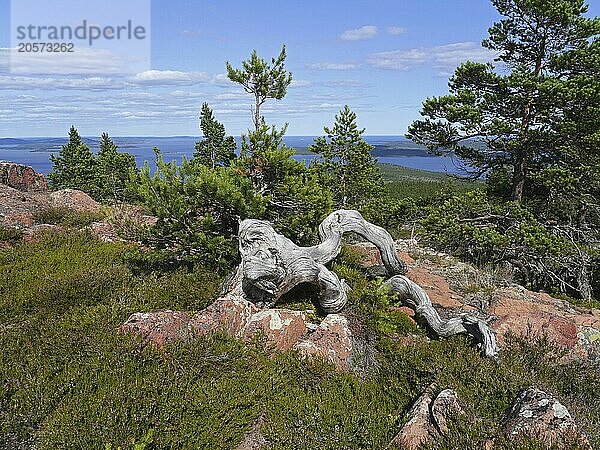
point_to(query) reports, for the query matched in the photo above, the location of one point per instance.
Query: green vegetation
(10, 235)
(75, 165)
(67, 217)
(104, 177)
(69, 379)
(215, 149)
(262, 79)
(347, 166)
(113, 173)
(198, 210)
(402, 183)
(532, 126)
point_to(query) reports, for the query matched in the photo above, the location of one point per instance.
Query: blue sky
(380, 57)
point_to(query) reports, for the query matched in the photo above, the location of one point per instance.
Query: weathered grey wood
(272, 264)
(339, 222)
(417, 299)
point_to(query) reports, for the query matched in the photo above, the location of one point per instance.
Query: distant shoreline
(390, 149)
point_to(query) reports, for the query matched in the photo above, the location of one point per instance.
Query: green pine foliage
(198, 210)
(531, 125)
(297, 201)
(216, 149)
(75, 166)
(485, 232)
(114, 169)
(104, 177)
(507, 117)
(262, 79)
(347, 164)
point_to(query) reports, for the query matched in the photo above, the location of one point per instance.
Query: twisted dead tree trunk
(417, 299)
(272, 265)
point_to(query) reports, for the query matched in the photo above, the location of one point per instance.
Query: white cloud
(395, 31)
(358, 34)
(52, 83)
(300, 84)
(446, 57)
(170, 77)
(345, 84)
(333, 66)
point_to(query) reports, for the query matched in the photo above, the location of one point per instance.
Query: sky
(382, 58)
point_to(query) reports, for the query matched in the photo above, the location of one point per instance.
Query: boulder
(372, 257)
(281, 327)
(254, 440)
(17, 208)
(158, 328)
(419, 429)
(105, 231)
(230, 314)
(538, 414)
(533, 314)
(330, 340)
(513, 308)
(445, 406)
(21, 177)
(73, 199)
(427, 419)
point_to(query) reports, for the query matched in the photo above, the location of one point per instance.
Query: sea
(397, 150)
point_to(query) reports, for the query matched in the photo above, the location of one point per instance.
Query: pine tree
(198, 209)
(297, 202)
(349, 168)
(75, 166)
(503, 122)
(215, 149)
(261, 79)
(113, 171)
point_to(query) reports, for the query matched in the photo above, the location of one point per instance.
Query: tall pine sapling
(215, 149)
(261, 79)
(347, 164)
(75, 165)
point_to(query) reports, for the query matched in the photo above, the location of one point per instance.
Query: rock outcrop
(533, 314)
(513, 309)
(160, 328)
(428, 419)
(282, 329)
(21, 177)
(538, 414)
(73, 199)
(19, 208)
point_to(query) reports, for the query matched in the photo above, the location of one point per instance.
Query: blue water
(36, 152)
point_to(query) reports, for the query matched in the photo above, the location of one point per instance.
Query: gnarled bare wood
(272, 264)
(342, 221)
(418, 300)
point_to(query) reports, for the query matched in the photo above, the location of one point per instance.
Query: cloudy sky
(380, 57)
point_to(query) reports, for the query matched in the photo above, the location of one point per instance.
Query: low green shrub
(67, 217)
(10, 234)
(69, 379)
(477, 229)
